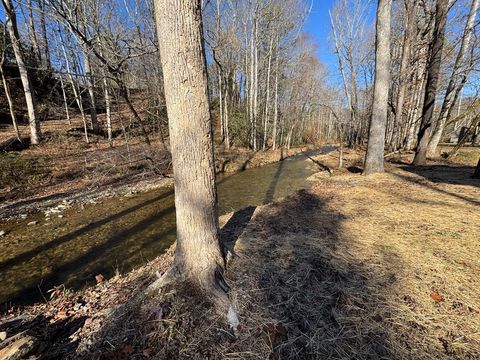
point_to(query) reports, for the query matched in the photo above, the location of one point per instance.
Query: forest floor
(378, 267)
(65, 167)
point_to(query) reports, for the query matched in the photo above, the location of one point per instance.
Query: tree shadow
(300, 288)
(299, 279)
(432, 175)
(99, 259)
(448, 174)
(270, 194)
(234, 228)
(70, 236)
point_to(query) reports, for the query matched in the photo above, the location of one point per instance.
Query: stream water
(120, 233)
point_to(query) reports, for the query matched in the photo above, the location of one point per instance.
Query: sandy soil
(379, 267)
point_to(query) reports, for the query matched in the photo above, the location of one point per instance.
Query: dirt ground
(378, 267)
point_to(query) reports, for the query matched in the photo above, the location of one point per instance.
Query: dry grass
(379, 267)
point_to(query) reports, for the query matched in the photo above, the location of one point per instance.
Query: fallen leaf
(61, 315)
(436, 297)
(99, 278)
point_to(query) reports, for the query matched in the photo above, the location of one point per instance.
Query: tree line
(265, 79)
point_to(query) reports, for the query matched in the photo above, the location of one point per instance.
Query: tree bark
(43, 27)
(378, 120)
(91, 91)
(404, 66)
(34, 123)
(33, 33)
(108, 111)
(449, 99)
(10, 104)
(275, 114)
(198, 255)
(433, 74)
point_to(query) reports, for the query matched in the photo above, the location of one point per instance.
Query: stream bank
(354, 266)
(70, 244)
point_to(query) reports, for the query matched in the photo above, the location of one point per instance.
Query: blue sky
(318, 25)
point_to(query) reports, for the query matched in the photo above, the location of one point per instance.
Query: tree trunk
(65, 101)
(33, 33)
(10, 104)
(198, 255)
(108, 111)
(378, 120)
(225, 121)
(404, 66)
(449, 99)
(76, 92)
(35, 133)
(91, 91)
(43, 27)
(267, 97)
(124, 92)
(433, 74)
(275, 113)
(344, 79)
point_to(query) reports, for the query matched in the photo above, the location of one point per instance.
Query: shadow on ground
(299, 290)
(460, 175)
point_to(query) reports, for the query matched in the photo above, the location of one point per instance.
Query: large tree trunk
(433, 74)
(35, 133)
(449, 99)
(378, 120)
(198, 255)
(404, 68)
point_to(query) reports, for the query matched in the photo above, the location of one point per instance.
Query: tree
(378, 120)
(433, 74)
(11, 23)
(3, 56)
(198, 255)
(460, 64)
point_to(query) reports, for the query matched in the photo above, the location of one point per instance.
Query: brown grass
(379, 267)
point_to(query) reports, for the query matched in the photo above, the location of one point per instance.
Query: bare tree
(454, 85)
(433, 74)
(378, 121)
(198, 256)
(11, 23)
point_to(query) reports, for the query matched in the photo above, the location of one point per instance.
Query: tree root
(216, 289)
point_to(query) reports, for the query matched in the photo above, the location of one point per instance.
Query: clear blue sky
(318, 25)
